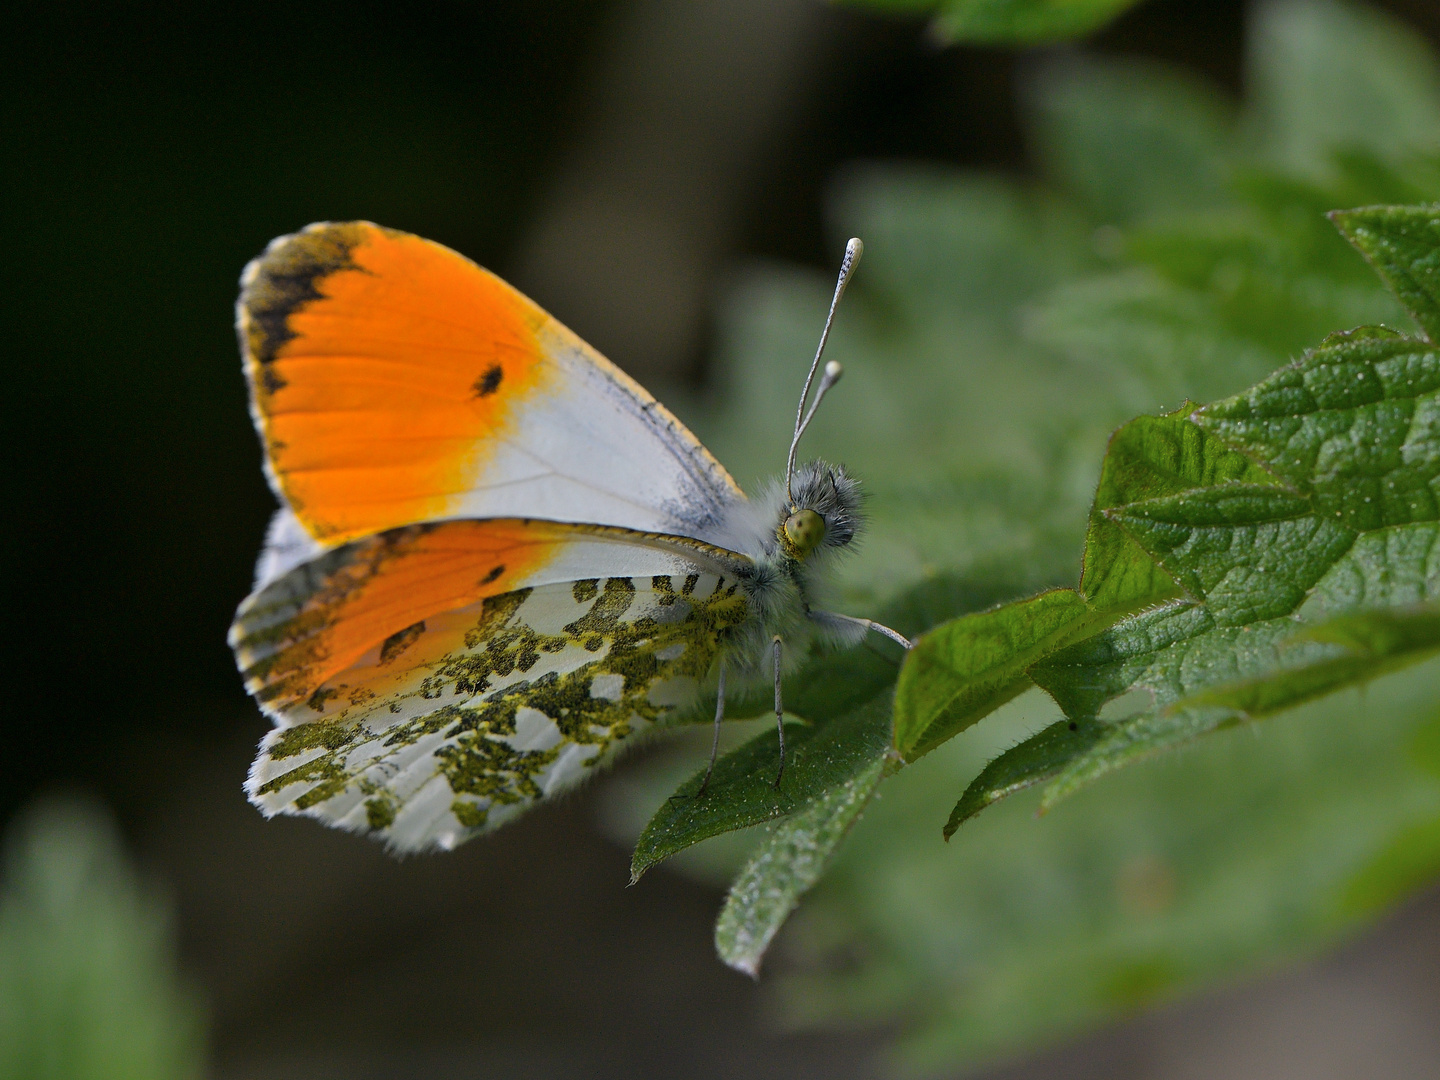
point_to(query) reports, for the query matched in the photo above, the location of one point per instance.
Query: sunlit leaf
(1354, 431)
(977, 404)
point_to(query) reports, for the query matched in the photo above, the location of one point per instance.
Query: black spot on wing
(664, 589)
(488, 383)
(318, 699)
(398, 642)
(619, 594)
(494, 573)
(270, 379)
(285, 279)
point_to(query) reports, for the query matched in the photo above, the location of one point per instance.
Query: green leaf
(1379, 633)
(1374, 643)
(1362, 647)
(1352, 432)
(742, 792)
(1249, 552)
(969, 667)
(1010, 22)
(784, 866)
(1198, 503)
(1149, 457)
(1402, 243)
(1134, 739)
(1368, 645)
(1035, 760)
(1353, 425)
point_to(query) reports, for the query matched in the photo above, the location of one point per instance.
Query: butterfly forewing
(393, 381)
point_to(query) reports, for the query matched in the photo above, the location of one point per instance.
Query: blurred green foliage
(997, 333)
(88, 986)
(1010, 22)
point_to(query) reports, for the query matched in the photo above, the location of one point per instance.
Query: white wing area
(595, 447)
(287, 545)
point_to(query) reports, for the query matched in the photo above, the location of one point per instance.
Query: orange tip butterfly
(497, 557)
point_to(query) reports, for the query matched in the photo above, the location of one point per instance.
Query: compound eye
(805, 529)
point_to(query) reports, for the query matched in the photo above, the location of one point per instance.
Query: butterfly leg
(779, 712)
(715, 742)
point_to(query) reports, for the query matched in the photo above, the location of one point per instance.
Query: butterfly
(497, 558)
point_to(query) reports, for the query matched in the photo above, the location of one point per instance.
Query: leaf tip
(638, 865)
(958, 817)
(745, 965)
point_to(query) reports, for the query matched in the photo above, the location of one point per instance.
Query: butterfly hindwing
(500, 693)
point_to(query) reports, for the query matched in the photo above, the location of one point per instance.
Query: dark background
(613, 159)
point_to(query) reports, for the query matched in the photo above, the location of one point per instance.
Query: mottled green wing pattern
(496, 705)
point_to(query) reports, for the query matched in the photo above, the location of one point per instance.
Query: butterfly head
(820, 511)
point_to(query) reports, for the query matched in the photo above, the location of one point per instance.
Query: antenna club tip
(833, 370)
(854, 249)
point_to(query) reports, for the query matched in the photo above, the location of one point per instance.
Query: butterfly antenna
(853, 250)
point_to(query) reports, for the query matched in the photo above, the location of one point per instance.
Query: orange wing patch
(292, 636)
(381, 366)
